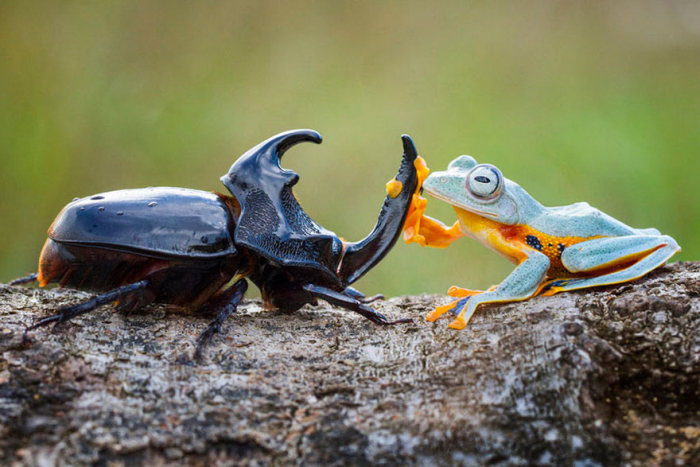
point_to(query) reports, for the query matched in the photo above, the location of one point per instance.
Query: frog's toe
(455, 291)
(458, 323)
(440, 310)
(551, 291)
(455, 307)
(555, 286)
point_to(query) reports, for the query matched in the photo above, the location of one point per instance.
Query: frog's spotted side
(555, 248)
(549, 245)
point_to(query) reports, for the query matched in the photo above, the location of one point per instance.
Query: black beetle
(182, 247)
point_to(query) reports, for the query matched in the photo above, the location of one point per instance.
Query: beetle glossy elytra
(182, 247)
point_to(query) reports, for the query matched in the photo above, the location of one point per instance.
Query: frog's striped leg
(521, 284)
(646, 253)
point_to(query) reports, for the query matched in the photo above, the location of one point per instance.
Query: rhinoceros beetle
(183, 247)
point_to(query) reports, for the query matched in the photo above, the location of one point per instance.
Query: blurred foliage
(594, 101)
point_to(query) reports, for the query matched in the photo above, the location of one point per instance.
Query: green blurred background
(594, 101)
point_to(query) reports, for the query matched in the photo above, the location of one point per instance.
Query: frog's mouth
(441, 197)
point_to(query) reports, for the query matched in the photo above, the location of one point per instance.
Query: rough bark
(606, 375)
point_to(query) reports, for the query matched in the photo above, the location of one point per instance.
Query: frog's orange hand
(436, 234)
(422, 229)
(411, 226)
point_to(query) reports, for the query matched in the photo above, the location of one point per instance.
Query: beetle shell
(164, 221)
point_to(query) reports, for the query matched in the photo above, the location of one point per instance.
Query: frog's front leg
(521, 284)
(620, 259)
(426, 231)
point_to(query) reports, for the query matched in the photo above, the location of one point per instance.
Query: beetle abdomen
(172, 281)
(162, 221)
(91, 268)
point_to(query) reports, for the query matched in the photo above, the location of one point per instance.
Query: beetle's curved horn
(260, 166)
(361, 256)
(271, 150)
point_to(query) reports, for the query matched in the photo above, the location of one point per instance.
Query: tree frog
(556, 249)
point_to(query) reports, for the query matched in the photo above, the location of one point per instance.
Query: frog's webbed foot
(452, 307)
(457, 308)
(552, 287)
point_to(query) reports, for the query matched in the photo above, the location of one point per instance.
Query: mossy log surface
(605, 375)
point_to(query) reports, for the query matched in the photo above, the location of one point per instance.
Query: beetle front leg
(354, 293)
(360, 257)
(350, 303)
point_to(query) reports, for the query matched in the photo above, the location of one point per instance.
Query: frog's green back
(583, 220)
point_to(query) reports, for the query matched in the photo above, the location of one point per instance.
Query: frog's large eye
(485, 181)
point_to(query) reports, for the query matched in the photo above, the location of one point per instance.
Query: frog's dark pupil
(482, 179)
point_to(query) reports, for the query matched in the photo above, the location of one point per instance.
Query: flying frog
(556, 249)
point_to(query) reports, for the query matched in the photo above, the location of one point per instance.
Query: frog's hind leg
(645, 253)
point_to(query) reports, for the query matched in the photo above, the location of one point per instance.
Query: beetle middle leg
(227, 302)
(350, 303)
(66, 313)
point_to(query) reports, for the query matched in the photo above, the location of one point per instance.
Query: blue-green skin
(515, 206)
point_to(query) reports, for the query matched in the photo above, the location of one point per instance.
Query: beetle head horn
(259, 168)
(271, 150)
(263, 161)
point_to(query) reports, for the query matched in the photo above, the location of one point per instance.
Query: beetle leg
(24, 280)
(350, 303)
(135, 302)
(373, 298)
(66, 313)
(354, 293)
(228, 302)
